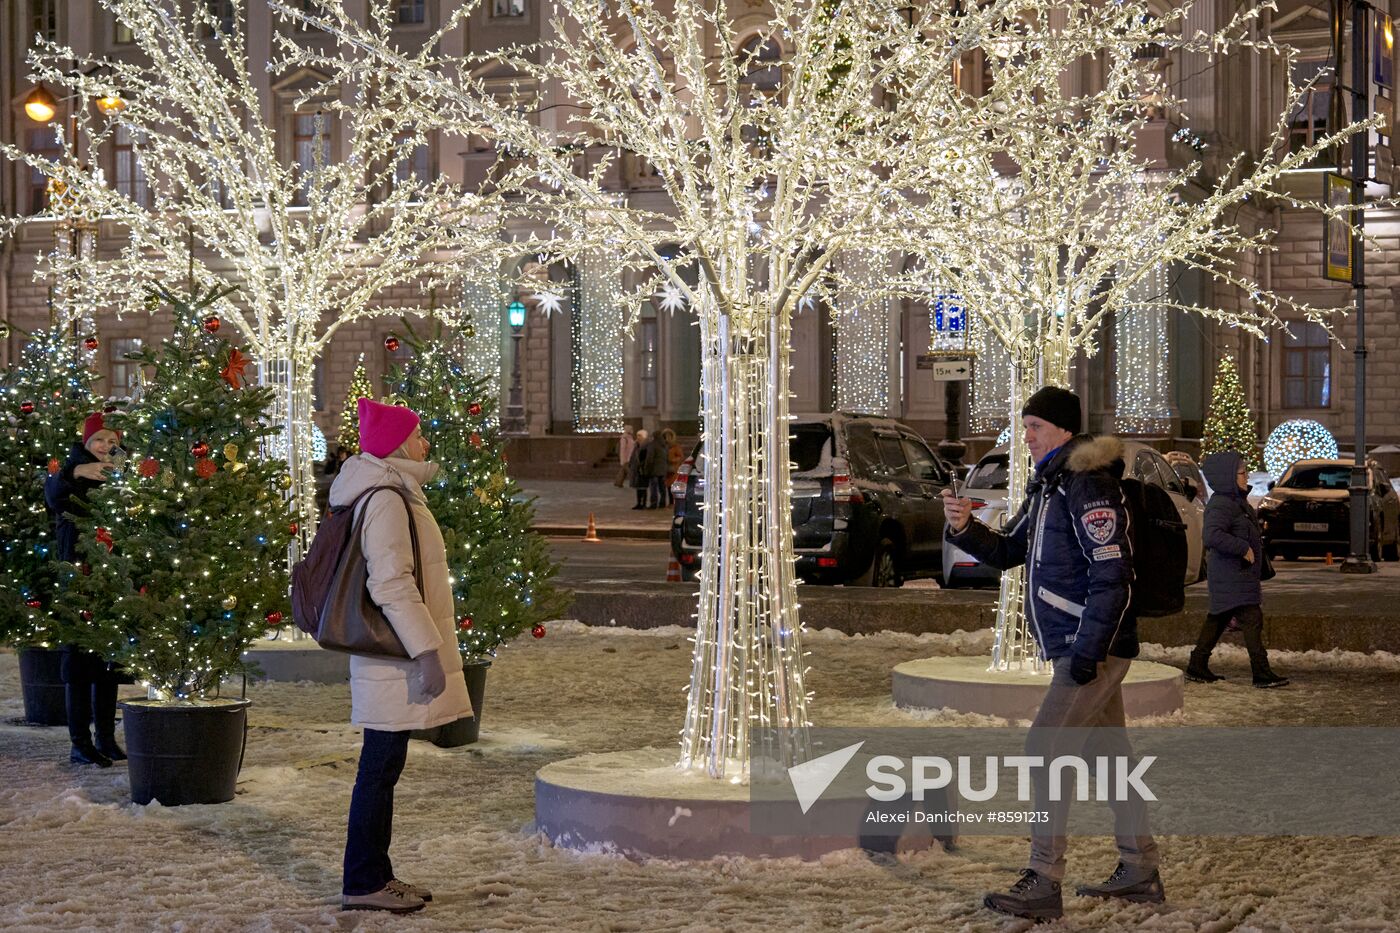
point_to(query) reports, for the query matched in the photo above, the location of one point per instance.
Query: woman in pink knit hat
(390, 698)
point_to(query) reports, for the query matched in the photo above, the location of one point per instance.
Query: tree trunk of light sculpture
(747, 667)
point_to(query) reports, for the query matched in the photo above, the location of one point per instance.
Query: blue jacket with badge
(1071, 533)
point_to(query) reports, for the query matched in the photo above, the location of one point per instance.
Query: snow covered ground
(75, 854)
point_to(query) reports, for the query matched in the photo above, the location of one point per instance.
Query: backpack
(313, 575)
(1158, 537)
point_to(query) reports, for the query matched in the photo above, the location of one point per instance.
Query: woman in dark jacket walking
(638, 476)
(90, 682)
(1234, 564)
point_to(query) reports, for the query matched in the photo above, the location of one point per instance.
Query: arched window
(760, 65)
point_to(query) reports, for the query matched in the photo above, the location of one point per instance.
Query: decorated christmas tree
(501, 571)
(349, 436)
(44, 397)
(1229, 423)
(183, 557)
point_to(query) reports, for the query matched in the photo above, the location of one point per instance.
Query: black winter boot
(1137, 885)
(1200, 674)
(86, 754)
(1034, 897)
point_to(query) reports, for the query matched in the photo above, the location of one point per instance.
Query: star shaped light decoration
(670, 298)
(232, 373)
(549, 302)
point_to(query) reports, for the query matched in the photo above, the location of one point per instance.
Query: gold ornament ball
(230, 601)
(230, 451)
(285, 481)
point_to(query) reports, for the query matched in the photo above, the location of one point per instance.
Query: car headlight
(1270, 502)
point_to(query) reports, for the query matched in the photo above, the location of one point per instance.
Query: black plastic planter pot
(183, 754)
(41, 681)
(467, 730)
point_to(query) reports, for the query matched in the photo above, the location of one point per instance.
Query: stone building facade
(1232, 106)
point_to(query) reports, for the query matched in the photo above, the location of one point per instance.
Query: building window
(122, 34)
(411, 12)
(1308, 121)
(219, 19)
(311, 145)
(43, 20)
(43, 141)
(128, 171)
(1307, 367)
(507, 9)
(760, 66)
(650, 342)
(124, 375)
(413, 162)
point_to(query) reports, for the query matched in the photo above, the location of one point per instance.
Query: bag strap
(412, 527)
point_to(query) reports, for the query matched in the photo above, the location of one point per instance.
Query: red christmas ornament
(105, 537)
(211, 324)
(537, 631)
(465, 624)
(391, 343)
(90, 343)
(200, 450)
(273, 618)
(474, 408)
(86, 569)
(205, 468)
(293, 528)
(27, 407)
(33, 603)
(54, 465)
(475, 439)
(142, 589)
(149, 467)
(86, 615)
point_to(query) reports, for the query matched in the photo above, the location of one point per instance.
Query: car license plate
(1310, 526)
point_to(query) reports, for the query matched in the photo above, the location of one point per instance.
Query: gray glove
(431, 675)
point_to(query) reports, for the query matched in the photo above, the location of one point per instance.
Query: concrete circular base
(966, 686)
(637, 803)
(304, 660)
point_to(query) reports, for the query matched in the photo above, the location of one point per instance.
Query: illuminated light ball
(149, 467)
(474, 408)
(465, 624)
(273, 618)
(229, 602)
(205, 468)
(200, 450)
(391, 343)
(538, 631)
(1004, 437)
(212, 323)
(90, 343)
(33, 603)
(54, 465)
(86, 615)
(475, 439)
(1298, 439)
(27, 407)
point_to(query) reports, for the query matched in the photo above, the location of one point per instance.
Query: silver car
(986, 487)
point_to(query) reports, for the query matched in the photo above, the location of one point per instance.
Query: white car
(986, 486)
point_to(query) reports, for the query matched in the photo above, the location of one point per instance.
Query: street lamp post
(514, 421)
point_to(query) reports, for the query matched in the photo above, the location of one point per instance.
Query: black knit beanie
(1058, 406)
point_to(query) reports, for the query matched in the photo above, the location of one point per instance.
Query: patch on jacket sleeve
(1101, 524)
(1108, 552)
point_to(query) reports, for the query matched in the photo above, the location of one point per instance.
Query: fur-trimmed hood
(1093, 453)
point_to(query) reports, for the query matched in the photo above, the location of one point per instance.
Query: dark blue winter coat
(1072, 535)
(1231, 529)
(66, 494)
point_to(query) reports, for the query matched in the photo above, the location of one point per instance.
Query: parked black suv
(866, 508)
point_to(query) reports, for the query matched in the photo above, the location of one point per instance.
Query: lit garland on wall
(601, 318)
(991, 380)
(483, 308)
(862, 319)
(1298, 439)
(1142, 373)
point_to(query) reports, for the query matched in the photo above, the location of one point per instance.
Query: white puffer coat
(386, 694)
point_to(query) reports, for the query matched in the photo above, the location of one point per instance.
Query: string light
(862, 320)
(600, 322)
(1142, 369)
(1297, 439)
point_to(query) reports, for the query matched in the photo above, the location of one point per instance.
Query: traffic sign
(952, 370)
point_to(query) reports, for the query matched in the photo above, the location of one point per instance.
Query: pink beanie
(383, 428)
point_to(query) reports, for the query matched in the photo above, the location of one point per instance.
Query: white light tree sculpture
(1081, 225)
(308, 246)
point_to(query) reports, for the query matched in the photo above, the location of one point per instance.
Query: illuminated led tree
(769, 170)
(1230, 423)
(349, 435)
(311, 240)
(1084, 225)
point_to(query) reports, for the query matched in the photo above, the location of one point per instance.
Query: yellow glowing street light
(110, 102)
(40, 105)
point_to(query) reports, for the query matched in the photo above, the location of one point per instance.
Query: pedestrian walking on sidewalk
(657, 464)
(390, 698)
(90, 682)
(675, 456)
(1235, 566)
(626, 444)
(1071, 533)
(637, 476)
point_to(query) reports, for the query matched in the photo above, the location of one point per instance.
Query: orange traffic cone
(673, 571)
(1329, 558)
(592, 533)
